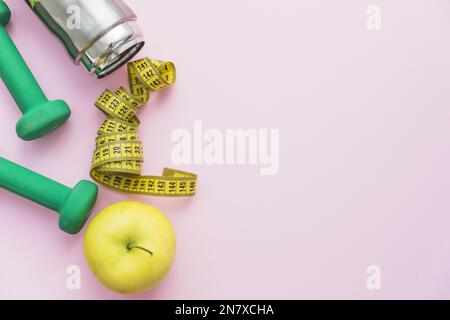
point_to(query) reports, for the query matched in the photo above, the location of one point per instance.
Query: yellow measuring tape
(118, 157)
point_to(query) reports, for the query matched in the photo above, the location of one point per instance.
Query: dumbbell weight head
(42, 120)
(77, 207)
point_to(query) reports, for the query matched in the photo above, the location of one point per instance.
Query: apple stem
(132, 246)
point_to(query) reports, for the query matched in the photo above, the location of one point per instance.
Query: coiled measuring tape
(118, 157)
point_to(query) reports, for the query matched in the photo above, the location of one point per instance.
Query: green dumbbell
(40, 116)
(74, 205)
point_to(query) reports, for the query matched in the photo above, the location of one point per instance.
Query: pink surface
(364, 177)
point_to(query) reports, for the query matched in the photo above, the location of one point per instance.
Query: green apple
(130, 247)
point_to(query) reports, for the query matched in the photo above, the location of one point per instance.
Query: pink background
(365, 160)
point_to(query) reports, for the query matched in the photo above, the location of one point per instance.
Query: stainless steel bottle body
(102, 34)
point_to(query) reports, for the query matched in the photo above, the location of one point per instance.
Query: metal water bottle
(101, 34)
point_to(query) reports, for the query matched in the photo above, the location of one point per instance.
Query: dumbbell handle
(18, 77)
(33, 186)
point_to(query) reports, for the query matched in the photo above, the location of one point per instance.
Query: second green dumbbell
(73, 205)
(40, 116)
